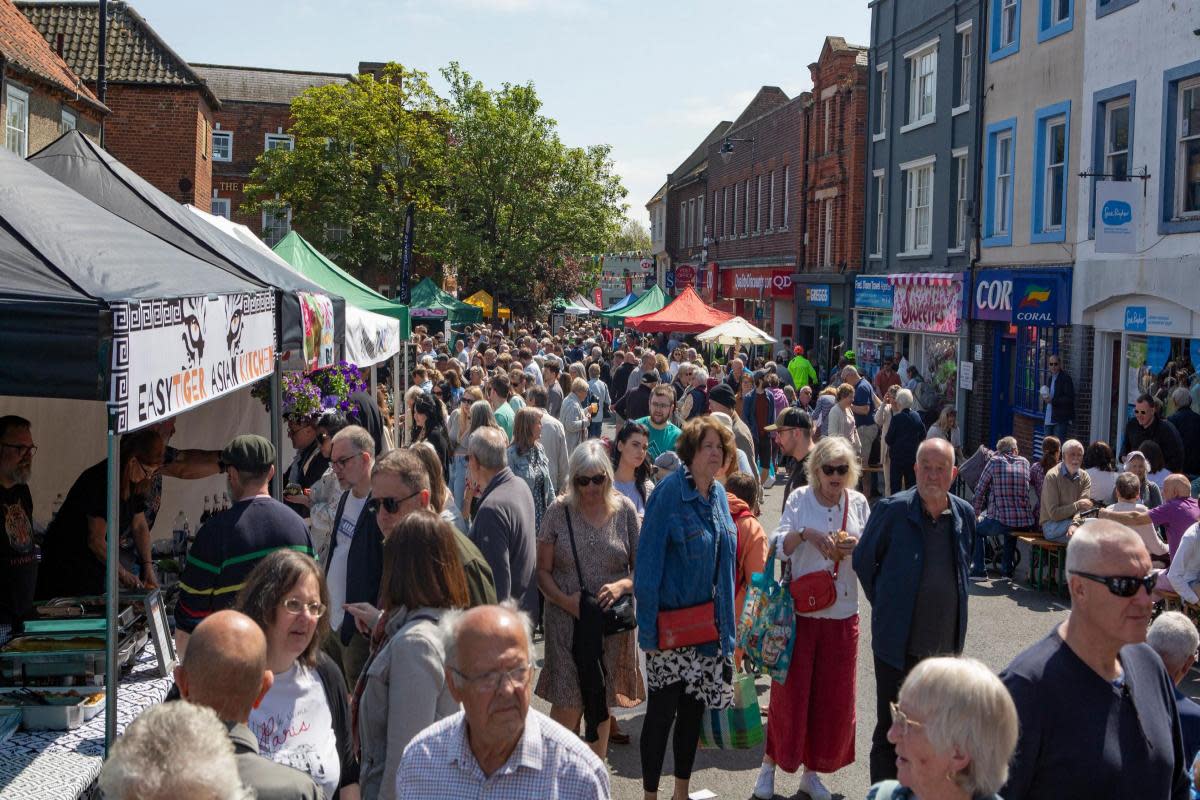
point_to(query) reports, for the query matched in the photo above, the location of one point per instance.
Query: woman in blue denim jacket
(685, 558)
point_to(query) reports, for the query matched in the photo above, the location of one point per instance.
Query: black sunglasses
(389, 504)
(1122, 585)
(583, 480)
(840, 469)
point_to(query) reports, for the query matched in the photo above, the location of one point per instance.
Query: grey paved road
(1003, 620)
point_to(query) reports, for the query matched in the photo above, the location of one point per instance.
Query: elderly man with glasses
(1059, 398)
(1097, 708)
(497, 745)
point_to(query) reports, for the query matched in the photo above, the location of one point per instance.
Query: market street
(1003, 621)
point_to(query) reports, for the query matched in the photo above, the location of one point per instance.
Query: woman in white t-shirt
(811, 720)
(303, 721)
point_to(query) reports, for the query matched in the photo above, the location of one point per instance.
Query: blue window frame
(1004, 38)
(1169, 221)
(999, 183)
(1106, 7)
(1102, 102)
(1051, 179)
(1033, 351)
(1047, 27)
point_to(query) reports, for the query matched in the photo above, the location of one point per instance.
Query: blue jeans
(458, 478)
(1060, 429)
(1056, 531)
(991, 527)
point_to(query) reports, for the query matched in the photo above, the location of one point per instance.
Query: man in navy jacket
(912, 562)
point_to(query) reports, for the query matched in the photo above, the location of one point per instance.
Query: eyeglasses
(1123, 585)
(1054, 363)
(293, 428)
(21, 449)
(492, 681)
(323, 437)
(294, 606)
(596, 480)
(389, 504)
(903, 721)
(341, 463)
(835, 469)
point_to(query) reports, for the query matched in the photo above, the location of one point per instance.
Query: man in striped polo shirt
(231, 543)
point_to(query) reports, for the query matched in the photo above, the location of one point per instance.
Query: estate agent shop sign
(172, 355)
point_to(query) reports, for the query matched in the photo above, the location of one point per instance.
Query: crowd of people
(371, 635)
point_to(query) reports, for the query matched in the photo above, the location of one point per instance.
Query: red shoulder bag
(817, 591)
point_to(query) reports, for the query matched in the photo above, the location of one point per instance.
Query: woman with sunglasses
(303, 721)
(954, 726)
(458, 428)
(403, 688)
(810, 723)
(74, 552)
(604, 526)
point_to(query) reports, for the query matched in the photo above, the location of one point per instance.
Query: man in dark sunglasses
(1097, 708)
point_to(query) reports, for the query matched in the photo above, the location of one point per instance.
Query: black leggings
(665, 706)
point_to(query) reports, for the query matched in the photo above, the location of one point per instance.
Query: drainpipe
(102, 62)
(977, 193)
(802, 248)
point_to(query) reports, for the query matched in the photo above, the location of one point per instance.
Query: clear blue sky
(649, 77)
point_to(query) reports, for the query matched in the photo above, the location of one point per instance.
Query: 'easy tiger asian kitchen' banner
(175, 354)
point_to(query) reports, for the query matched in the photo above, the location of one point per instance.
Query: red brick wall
(777, 144)
(675, 197)
(160, 133)
(249, 123)
(841, 168)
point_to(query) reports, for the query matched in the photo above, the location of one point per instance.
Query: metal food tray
(16, 667)
(85, 608)
(78, 694)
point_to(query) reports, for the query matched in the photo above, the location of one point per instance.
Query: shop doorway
(1003, 379)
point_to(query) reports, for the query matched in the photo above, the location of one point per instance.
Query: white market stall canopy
(736, 331)
(370, 338)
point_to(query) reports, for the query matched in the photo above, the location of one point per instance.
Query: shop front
(1021, 317)
(762, 296)
(822, 316)
(914, 320)
(1143, 345)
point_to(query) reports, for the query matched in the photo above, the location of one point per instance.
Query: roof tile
(23, 47)
(256, 85)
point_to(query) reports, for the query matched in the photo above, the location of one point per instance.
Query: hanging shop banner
(598, 298)
(1117, 211)
(929, 307)
(172, 355)
(316, 310)
(873, 292)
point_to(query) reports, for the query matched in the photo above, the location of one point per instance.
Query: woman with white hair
(811, 720)
(575, 415)
(587, 548)
(954, 726)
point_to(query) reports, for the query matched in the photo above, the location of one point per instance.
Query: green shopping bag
(738, 727)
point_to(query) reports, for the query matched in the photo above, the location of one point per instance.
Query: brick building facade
(255, 116)
(162, 112)
(687, 217)
(755, 190)
(40, 97)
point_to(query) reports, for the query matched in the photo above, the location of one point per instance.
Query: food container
(89, 698)
(28, 658)
(52, 718)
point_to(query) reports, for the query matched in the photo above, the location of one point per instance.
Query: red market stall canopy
(687, 313)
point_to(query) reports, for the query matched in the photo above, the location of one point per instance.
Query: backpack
(926, 395)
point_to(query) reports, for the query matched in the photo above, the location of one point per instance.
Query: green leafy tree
(633, 236)
(363, 151)
(519, 201)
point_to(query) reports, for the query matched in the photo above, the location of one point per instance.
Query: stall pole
(277, 425)
(400, 400)
(112, 672)
(397, 398)
(374, 379)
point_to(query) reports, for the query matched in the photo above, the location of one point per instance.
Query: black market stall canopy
(91, 171)
(94, 308)
(427, 302)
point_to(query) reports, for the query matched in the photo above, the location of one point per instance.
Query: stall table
(65, 764)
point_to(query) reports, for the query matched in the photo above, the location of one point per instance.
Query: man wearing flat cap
(231, 543)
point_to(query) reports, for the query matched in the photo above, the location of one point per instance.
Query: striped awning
(924, 278)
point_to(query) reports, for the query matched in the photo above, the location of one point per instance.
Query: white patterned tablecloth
(65, 764)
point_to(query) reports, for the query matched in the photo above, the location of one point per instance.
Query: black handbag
(619, 617)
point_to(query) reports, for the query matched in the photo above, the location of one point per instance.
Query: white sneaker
(769, 482)
(810, 784)
(764, 787)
